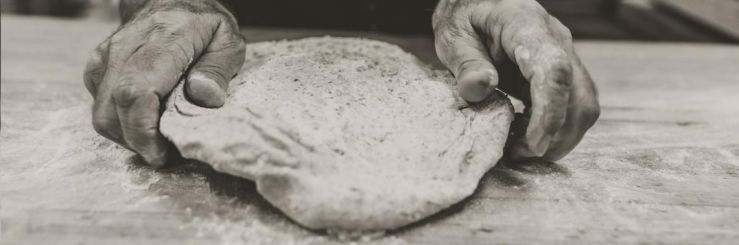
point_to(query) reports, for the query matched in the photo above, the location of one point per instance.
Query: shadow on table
(224, 193)
(506, 174)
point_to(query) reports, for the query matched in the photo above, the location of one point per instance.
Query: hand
(133, 71)
(532, 53)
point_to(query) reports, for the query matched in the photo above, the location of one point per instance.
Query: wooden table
(661, 165)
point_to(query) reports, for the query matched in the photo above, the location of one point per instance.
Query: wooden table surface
(661, 165)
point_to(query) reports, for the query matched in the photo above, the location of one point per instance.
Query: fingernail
(204, 91)
(474, 86)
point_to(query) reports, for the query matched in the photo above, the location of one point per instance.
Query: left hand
(533, 52)
(160, 42)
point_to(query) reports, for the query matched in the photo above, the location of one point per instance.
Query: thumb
(208, 78)
(466, 57)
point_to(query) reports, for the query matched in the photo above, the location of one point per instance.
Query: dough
(344, 134)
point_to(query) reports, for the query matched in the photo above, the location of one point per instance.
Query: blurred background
(657, 20)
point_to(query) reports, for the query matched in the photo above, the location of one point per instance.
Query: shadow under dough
(225, 194)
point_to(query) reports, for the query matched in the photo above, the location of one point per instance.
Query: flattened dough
(344, 134)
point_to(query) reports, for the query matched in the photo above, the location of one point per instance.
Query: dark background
(678, 20)
(653, 20)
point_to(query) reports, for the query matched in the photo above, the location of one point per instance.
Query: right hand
(533, 54)
(135, 69)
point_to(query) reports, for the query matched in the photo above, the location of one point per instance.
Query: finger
(545, 64)
(105, 120)
(582, 113)
(208, 78)
(101, 69)
(462, 52)
(107, 58)
(147, 76)
(138, 109)
(96, 66)
(549, 81)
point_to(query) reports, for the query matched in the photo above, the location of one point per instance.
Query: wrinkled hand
(531, 52)
(134, 70)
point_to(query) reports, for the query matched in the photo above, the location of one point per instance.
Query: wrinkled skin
(516, 46)
(137, 67)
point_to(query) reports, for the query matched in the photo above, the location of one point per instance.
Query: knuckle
(89, 79)
(445, 42)
(143, 135)
(103, 125)
(449, 34)
(560, 70)
(236, 60)
(94, 59)
(238, 56)
(240, 46)
(593, 112)
(232, 59)
(233, 45)
(149, 132)
(442, 38)
(212, 71)
(565, 32)
(561, 30)
(590, 112)
(127, 94)
(469, 64)
(441, 45)
(93, 70)
(103, 47)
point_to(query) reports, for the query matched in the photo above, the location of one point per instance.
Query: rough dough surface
(344, 134)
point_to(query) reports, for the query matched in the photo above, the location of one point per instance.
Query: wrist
(128, 9)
